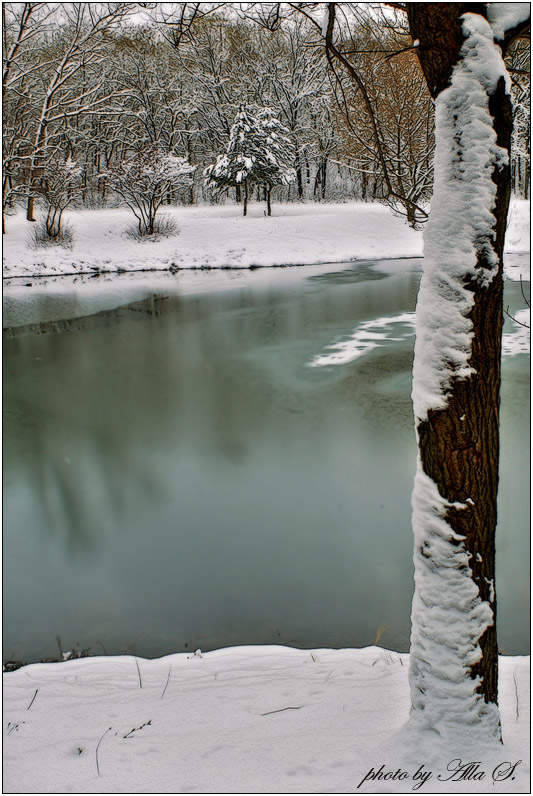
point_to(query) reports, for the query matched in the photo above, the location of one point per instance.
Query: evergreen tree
(276, 165)
(259, 152)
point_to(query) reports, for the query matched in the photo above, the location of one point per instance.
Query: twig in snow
(98, 746)
(33, 700)
(165, 688)
(516, 692)
(138, 672)
(128, 734)
(279, 711)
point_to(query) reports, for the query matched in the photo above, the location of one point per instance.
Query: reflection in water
(175, 472)
(364, 272)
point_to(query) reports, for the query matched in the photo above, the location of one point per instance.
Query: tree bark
(437, 26)
(459, 445)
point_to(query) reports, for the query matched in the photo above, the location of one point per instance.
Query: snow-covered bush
(147, 180)
(259, 152)
(40, 237)
(59, 184)
(164, 225)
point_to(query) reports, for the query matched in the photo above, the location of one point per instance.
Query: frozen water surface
(177, 474)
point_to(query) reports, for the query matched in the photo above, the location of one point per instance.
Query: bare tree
(518, 62)
(404, 111)
(23, 26)
(289, 68)
(61, 97)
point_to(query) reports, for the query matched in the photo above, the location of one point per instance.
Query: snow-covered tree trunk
(456, 376)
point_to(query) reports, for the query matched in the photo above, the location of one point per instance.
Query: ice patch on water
(366, 337)
(377, 333)
(518, 342)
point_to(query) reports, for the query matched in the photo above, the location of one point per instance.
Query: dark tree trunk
(459, 445)
(299, 180)
(245, 201)
(324, 176)
(190, 156)
(438, 28)
(269, 200)
(320, 178)
(30, 214)
(317, 182)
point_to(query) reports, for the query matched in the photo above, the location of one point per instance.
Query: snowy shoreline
(202, 268)
(218, 237)
(265, 719)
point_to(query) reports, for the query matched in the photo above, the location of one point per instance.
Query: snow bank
(245, 719)
(219, 237)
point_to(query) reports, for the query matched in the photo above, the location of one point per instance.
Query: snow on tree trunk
(456, 382)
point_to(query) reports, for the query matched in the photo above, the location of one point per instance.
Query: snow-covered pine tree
(236, 166)
(259, 152)
(276, 166)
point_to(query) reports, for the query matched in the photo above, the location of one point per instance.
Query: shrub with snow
(59, 185)
(147, 180)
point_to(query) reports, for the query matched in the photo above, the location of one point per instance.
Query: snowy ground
(245, 719)
(216, 237)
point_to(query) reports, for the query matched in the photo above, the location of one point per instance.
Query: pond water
(219, 459)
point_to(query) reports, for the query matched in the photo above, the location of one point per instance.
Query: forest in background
(88, 86)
